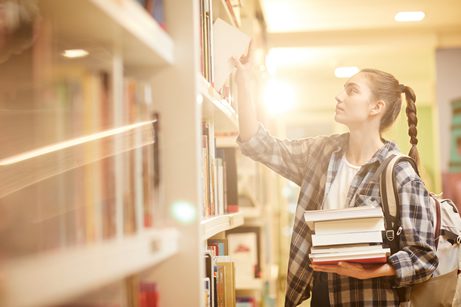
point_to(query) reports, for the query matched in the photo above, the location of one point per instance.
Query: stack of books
(351, 234)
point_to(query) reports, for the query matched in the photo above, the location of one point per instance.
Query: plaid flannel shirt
(312, 163)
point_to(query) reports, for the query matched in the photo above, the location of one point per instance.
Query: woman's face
(354, 103)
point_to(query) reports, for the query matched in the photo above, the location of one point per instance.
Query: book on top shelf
(228, 42)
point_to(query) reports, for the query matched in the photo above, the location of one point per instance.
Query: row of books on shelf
(351, 234)
(219, 42)
(246, 301)
(156, 9)
(129, 292)
(219, 175)
(98, 177)
(229, 261)
(219, 281)
(243, 246)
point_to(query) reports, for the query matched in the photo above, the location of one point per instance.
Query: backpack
(440, 289)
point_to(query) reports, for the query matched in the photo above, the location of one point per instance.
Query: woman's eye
(351, 90)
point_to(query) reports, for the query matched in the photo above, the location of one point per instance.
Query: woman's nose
(340, 96)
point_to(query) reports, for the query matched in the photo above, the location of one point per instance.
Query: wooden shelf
(53, 277)
(111, 26)
(217, 109)
(251, 213)
(228, 141)
(217, 224)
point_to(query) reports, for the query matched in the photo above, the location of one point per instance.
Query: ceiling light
(75, 53)
(409, 16)
(346, 71)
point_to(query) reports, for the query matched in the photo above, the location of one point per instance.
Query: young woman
(334, 172)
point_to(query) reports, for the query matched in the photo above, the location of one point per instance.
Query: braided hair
(386, 87)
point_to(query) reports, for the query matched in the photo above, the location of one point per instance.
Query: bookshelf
(96, 189)
(124, 25)
(71, 141)
(219, 111)
(215, 108)
(217, 224)
(84, 268)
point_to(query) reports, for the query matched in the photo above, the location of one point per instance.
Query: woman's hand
(356, 270)
(243, 66)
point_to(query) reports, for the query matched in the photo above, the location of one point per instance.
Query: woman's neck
(362, 146)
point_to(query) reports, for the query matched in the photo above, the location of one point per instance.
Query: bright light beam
(70, 143)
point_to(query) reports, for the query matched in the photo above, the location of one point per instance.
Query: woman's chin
(338, 119)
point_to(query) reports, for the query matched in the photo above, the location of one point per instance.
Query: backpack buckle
(390, 235)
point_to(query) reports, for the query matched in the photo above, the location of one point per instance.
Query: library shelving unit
(89, 177)
(218, 224)
(101, 159)
(220, 114)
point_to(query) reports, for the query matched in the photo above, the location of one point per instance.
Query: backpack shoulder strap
(390, 197)
(391, 208)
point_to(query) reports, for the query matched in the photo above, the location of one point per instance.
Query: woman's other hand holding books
(356, 270)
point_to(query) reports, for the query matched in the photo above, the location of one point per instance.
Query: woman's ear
(378, 107)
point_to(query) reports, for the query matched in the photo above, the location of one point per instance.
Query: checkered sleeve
(286, 157)
(416, 261)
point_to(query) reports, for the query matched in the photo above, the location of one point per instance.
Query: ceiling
(320, 15)
(309, 38)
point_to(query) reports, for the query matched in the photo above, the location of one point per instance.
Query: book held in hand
(314, 216)
(228, 42)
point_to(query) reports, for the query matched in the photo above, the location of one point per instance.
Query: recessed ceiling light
(346, 71)
(409, 16)
(75, 53)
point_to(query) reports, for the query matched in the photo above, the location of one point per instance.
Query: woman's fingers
(246, 57)
(356, 270)
(237, 64)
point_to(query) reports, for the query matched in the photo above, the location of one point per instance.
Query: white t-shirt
(337, 196)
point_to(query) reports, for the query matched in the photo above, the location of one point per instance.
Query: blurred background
(314, 46)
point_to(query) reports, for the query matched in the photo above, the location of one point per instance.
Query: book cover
(378, 258)
(245, 249)
(228, 155)
(226, 265)
(377, 249)
(221, 245)
(228, 42)
(357, 253)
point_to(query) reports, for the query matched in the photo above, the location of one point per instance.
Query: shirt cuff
(403, 269)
